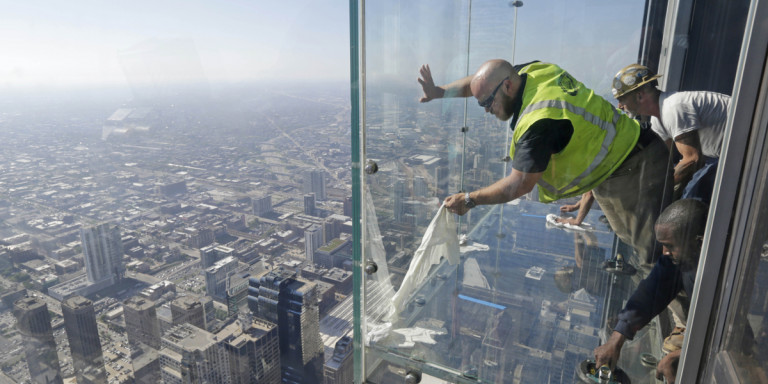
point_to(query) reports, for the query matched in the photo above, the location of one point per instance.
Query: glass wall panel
(522, 300)
(738, 351)
(746, 342)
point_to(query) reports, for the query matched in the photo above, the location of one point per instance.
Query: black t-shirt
(544, 138)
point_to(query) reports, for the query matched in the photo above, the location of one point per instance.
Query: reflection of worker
(586, 273)
(679, 229)
(568, 141)
(695, 120)
(583, 206)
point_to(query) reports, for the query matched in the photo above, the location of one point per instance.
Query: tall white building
(103, 253)
(216, 276)
(313, 239)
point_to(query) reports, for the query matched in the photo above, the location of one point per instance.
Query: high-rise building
(146, 366)
(253, 350)
(339, 369)
(212, 253)
(237, 287)
(143, 330)
(200, 237)
(103, 253)
(442, 179)
(34, 324)
(13, 293)
(400, 190)
(348, 206)
(209, 311)
(332, 227)
(216, 277)
(190, 355)
(309, 204)
(314, 182)
(420, 187)
(292, 303)
(83, 336)
(262, 205)
(188, 309)
(141, 324)
(313, 239)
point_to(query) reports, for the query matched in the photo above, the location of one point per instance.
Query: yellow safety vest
(602, 136)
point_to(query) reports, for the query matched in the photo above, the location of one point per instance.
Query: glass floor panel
(521, 306)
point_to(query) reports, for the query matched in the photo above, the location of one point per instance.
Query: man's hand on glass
(455, 204)
(570, 207)
(568, 220)
(667, 367)
(431, 91)
(608, 353)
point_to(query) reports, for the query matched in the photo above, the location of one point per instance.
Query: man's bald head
(494, 85)
(687, 218)
(492, 72)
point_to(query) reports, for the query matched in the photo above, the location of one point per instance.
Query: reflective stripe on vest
(608, 127)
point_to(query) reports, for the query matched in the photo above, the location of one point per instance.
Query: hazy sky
(60, 43)
(49, 44)
(591, 39)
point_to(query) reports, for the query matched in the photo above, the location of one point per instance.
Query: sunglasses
(489, 100)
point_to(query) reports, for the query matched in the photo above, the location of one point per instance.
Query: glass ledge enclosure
(525, 301)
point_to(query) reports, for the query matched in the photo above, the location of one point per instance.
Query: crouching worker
(679, 229)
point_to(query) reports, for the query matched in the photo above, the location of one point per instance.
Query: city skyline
(208, 176)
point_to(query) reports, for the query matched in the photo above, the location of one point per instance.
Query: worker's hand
(568, 220)
(428, 85)
(608, 353)
(667, 367)
(570, 207)
(455, 204)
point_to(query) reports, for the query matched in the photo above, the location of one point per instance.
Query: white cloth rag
(440, 241)
(552, 223)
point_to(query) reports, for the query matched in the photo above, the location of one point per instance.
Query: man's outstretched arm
(458, 88)
(507, 189)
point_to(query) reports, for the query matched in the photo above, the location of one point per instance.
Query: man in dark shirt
(631, 190)
(680, 229)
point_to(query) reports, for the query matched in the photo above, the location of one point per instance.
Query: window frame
(725, 245)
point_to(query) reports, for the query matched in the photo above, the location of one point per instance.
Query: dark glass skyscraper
(83, 336)
(34, 323)
(292, 303)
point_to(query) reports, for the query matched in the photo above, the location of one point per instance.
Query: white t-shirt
(683, 112)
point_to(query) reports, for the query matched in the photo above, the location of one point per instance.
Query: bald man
(567, 140)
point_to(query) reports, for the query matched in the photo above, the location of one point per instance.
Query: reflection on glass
(528, 301)
(747, 327)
